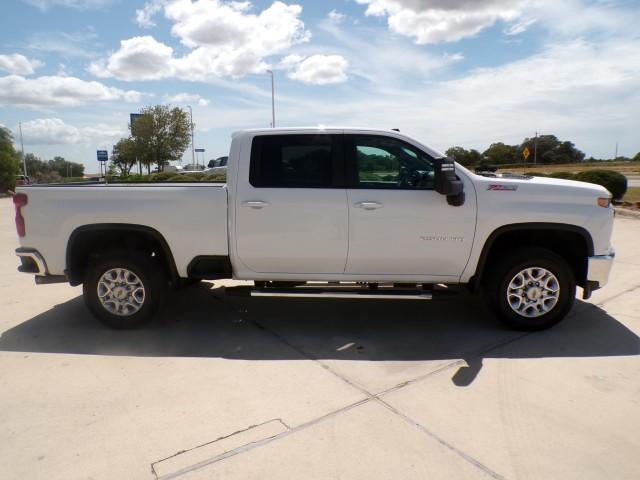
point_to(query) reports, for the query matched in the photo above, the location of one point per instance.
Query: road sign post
(103, 158)
(200, 150)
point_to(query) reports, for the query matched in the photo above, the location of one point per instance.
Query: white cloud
(63, 70)
(48, 91)
(139, 58)
(386, 60)
(317, 69)
(144, 15)
(224, 38)
(50, 131)
(185, 98)
(45, 5)
(437, 21)
(19, 64)
(336, 16)
(80, 44)
(54, 131)
(519, 27)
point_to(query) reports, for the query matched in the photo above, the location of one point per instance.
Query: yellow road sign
(525, 153)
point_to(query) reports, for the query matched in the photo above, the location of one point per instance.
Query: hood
(551, 183)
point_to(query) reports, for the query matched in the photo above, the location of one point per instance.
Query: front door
(291, 216)
(398, 224)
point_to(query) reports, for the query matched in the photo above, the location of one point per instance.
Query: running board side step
(302, 292)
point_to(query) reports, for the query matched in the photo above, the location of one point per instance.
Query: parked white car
(381, 213)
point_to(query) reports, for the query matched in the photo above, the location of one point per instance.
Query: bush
(216, 177)
(563, 175)
(161, 177)
(615, 182)
(164, 177)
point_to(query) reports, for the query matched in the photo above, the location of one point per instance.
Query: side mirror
(446, 182)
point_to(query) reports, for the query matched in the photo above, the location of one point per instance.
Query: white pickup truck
(324, 212)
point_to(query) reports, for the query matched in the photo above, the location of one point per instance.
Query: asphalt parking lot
(291, 389)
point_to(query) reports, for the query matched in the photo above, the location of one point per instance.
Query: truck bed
(192, 217)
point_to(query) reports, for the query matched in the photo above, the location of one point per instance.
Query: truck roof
(319, 128)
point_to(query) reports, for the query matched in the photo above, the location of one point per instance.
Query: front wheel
(531, 288)
(123, 289)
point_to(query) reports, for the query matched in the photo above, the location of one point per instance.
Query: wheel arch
(95, 239)
(572, 242)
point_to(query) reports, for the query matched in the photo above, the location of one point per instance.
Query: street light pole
(24, 161)
(273, 100)
(193, 152)
(535, 150)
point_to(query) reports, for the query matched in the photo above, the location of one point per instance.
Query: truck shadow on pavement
(202, 322)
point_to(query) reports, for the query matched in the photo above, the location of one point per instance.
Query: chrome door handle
(257, 204)
(368, 205)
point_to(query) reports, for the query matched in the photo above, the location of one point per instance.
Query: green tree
(501, 154)
(9, 161)
(636, 158)
(65, 168)
(551, 150)
(125, 154)
(464, 157)
(162, 134)
(40, 171)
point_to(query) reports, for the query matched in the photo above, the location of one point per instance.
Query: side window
(385, 162)
(293, 161)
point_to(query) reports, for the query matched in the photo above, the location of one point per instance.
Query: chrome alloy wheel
(533, 292)
(121, 292)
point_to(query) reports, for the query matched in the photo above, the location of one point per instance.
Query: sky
(447, 72)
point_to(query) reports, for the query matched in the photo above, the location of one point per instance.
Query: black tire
(500, 276)
(150, 275)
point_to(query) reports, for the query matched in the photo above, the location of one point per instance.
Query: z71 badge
(498, 187)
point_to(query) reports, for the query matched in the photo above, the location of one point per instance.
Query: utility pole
(273, 100)
(24, 161)
(616, 155)
(535, 149)
(193, 151)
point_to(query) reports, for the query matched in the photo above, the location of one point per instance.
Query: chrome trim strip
(381, 296)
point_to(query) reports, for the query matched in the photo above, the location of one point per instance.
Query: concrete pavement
(280, 388)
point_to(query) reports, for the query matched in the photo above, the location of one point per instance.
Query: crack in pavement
(181, 452)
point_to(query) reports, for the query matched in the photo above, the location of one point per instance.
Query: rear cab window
(297, 161)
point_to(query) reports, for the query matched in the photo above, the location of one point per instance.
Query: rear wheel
(531, 288)
(123, 290)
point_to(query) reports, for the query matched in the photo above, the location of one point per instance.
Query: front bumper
(598, 269)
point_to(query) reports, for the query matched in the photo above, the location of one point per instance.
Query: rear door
(291, 210)
(399, 225)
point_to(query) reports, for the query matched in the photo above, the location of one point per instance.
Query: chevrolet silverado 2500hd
(324, 212)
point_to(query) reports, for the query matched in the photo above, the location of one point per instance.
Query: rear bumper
(599, 267)
(31, 261)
